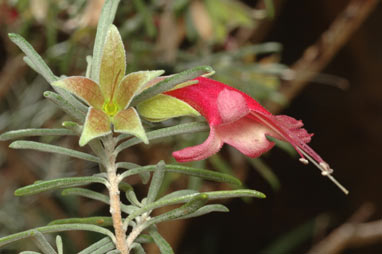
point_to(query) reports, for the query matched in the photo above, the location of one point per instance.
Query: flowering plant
(107, 107)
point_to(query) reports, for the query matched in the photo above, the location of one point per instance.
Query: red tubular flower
(238, 120)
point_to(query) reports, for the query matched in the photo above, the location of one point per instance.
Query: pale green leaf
(205, 210)
(130, 194)
(98, 220)
(178, 193)
(62, 103)
(96, 196)
(212, 195)
(55, 228)
(41, 186)
(203, 173)
(156, 182)
(190, 207)
(162, 107)
(34, 132)
(38, 63)
(95, 246)
(162, 244)
(59, 244)
(170, 82)
(42, 243)
(22, 144)
(137, 247)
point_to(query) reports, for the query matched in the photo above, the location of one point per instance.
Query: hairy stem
(115, 203)
(137, 229)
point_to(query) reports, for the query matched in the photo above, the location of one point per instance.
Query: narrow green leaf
(88, 66)
(170, 82)
(162, 244)
(105, 20)
(34, 57)
(178, 193)
(59, 244)
(104, 249)
(137, 247)
(55, 228)
(96, 196)
(62, 103)
(29, 62)
(34, 132)
(99, 221)
(144, 238)
(205, 210)
(156, 182)
(166, 132)
(58, 183)
(130, 194)
(190, 207)
(37, 63)
(203, 173)
(42, 243)
(95, 246)
(113, 252)
(29, 252)
(22, 144)
(145, 176)
(212, 195)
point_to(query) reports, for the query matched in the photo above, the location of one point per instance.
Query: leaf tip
(15, 145)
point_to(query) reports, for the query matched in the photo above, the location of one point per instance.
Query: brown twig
(317, 56)
(353, 233)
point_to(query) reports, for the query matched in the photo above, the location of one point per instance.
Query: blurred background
(319, 61)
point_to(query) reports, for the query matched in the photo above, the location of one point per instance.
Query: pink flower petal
(231, 106)
(247, 136)
(211, 146)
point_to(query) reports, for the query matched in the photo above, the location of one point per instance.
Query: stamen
(304, 161)
(325, 171)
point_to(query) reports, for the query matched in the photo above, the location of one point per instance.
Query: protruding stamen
(325, 171)
(304, 161)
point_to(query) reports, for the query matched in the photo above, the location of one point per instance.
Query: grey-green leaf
(22, 144)
(170, 82)
(34, 132)
(96, 196)
(202, 173)
(57, 183)
(190, 207)
(55, 228)
(38, 63)
(162, 244)
(156, 182)
(137, 247)
(212, 195)
(62, 103)
(95, 246)
(59, 244)
(101, 221)
(205, 210)
(166, 132)
(130, 194)
(42, 243)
